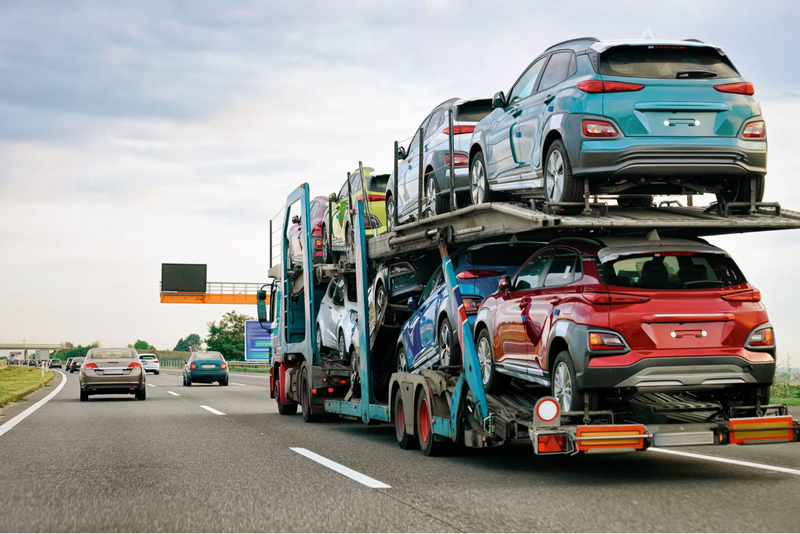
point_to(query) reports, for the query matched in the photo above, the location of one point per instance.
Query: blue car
(205, 367)
(428, 338)
(627, 118)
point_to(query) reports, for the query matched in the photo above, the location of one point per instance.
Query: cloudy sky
(136, 133)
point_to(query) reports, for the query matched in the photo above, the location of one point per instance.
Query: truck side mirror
(504, 285)
(499, 100)
(412, 304)
(262, 310)
(261, 295)
(401, 153)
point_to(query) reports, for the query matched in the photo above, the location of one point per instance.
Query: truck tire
(424, 426)
(283, 409)
(305, 400)
(404, 439)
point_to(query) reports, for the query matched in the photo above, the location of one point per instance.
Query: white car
(337, 316)
(150, 363)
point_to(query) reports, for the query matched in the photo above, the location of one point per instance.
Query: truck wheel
(306, 401)
(424, 426)
(493, 381)
(559, 183)
(563, 384)
(404, 439)
(283, 409)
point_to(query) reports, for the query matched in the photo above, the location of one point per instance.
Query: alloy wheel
(430, 198)
(485, 359)
(319, 340)
(477, 184)
(555, 176)
(562, 387)
(402, 362)
(390, 214)
(341, 347)
(445, 351)
(380, 301)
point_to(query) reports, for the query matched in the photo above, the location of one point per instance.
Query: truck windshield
(673, 270)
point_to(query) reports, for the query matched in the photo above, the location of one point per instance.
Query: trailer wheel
(424, 425)
(404, 439)
(306, 401)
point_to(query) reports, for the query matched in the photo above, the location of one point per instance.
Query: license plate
(208, 366)
(112, 371)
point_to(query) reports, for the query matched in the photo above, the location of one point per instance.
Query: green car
(631, 119)
(205, 367)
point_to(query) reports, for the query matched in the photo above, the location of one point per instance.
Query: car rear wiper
(691, 283)
(696, 74)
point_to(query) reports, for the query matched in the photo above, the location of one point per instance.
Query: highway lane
(167, 464)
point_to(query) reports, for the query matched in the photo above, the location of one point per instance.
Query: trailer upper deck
(484, 222)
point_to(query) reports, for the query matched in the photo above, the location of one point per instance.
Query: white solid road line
(339, 468)
(212, 410)
(14, 421)
(238, 384)
(729, 461)
(153, 385)
(173, 393)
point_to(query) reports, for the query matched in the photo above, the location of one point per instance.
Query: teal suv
(627, 118)
(205, 367)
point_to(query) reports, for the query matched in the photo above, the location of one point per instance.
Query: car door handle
(549, 98)
(554, 301)
(517, 112)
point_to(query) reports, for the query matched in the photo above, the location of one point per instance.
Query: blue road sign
(257, 341)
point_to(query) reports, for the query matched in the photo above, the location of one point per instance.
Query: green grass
(789, 402)
(16, 381)
(245, 370)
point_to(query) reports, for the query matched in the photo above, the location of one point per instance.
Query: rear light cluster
(602, 86)
(761, 338)
(372, 198)
(593, 128)
(470, 274)
(739, 88)
(90, 366)
(193, 366)
(605, 341)
(224, 365)
(748, 296)
(135, 365)
(458, 130)
(459, 160)
(755, 130)
(471, 304)
(614, 298)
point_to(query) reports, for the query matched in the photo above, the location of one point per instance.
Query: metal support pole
(394, 185)
(451, 139)
(690, 200)
(420, 185)
(349, 216)
(270, 243)
(329, 230)
(365, 197)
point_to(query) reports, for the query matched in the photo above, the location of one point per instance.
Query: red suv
(602, 319)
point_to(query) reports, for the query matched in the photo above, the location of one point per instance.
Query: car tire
(157, 372)
(564, 385)
(405, 440)
(479, 191)
(188, 381)
(326, 252)
(424, 425)
(432, 205)
(560, 185)
(71, 371)
(635, 202)
(738, 190)
(401, 359)
(223, 382)
(342, 348)
(390, 213)
(493, 380)
(751, 393)
(320, 346)
(349, 244)
(141, 394)
(355, 372)
(381, 303)
(449, 355)
(84, 396)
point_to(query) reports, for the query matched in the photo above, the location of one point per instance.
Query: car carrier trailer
(440, 409)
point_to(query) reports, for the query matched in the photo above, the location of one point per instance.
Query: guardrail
(177, 363)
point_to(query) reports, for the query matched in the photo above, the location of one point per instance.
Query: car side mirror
(296, 219)
(412, 304)
(499, 100)
(401, 153)
(504, 285)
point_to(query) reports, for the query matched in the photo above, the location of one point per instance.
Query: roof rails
(577, 44)
(693, 41)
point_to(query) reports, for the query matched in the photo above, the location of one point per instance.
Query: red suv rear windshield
(672, 270)
(667, 62)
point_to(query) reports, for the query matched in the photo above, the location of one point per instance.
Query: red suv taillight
(605, 341)
(748, 296)
(224, 365)
(90, 366)
(134, 365)
(193, 366)
(593, 128)
(155, 361)
(761, 338)
(372, 198)
(458, 130)
(459, 160)
(614, 298)
(739, 88)
(471, 304)
(469, 274)
(755, 130)
(602, 86)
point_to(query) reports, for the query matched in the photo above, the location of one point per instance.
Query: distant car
(341, 232)
(429, 337)
(630, 118)
(610, 317)
(337, 316)
(55, 364)
(317, 210)
(436, 162)
(67, 364)
(205, 367)
(75, 364)
(150, 363)
(112, 372)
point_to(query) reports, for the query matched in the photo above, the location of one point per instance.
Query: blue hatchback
(428, 337)
(626, 118)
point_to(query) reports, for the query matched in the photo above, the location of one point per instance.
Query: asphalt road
(168, 464)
